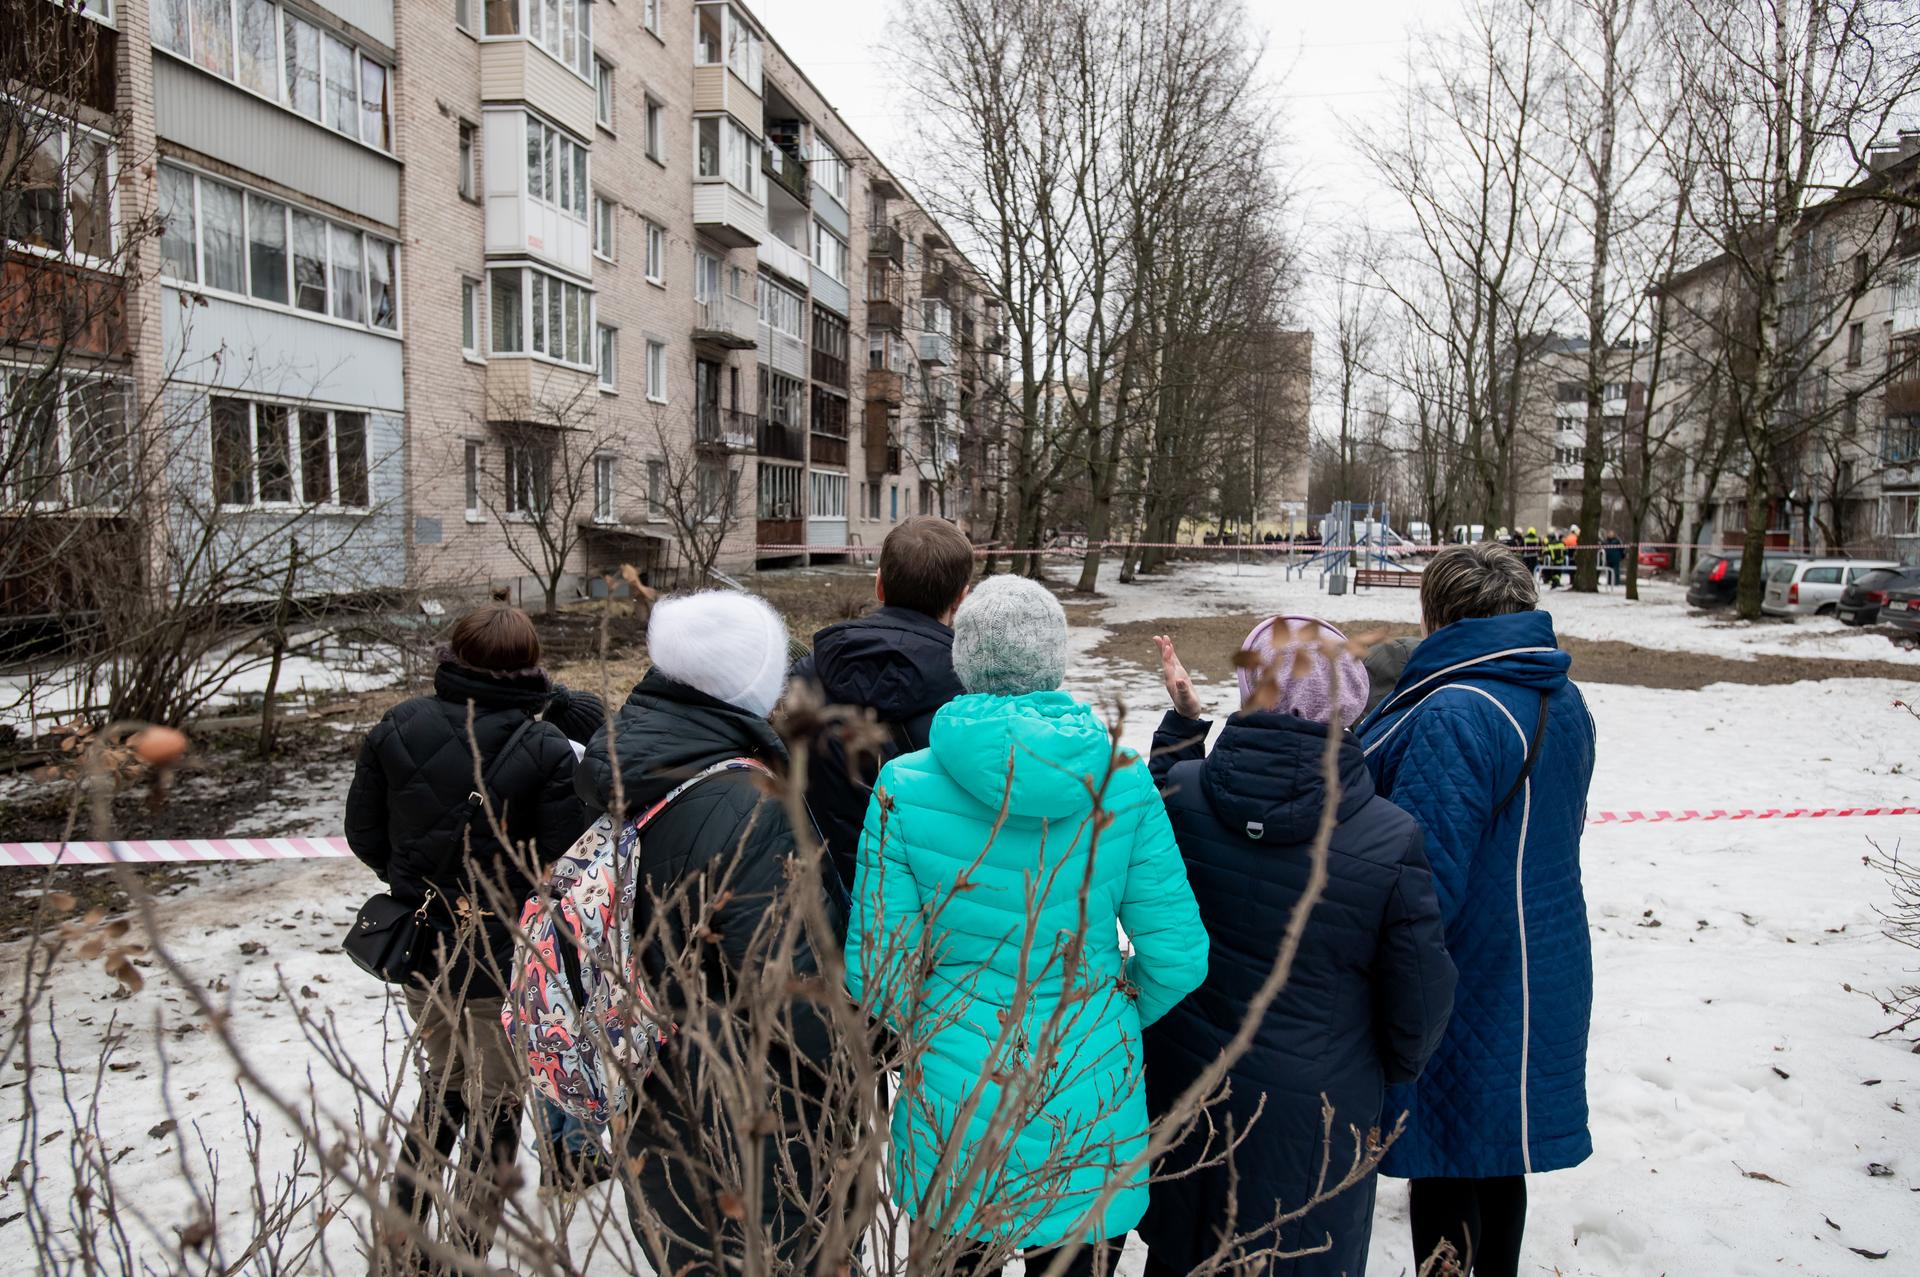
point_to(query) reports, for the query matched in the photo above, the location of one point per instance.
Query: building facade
(496, 291)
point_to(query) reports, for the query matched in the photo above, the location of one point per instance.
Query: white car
(1811, 587)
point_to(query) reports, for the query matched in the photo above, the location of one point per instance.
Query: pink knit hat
(1292, 654)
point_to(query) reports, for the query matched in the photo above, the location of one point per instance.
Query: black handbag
(388, 936)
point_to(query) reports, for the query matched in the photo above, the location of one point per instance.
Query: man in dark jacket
(1370, 988)
(723, 847)
(897, 662)
(1488, 745)
(406, 820)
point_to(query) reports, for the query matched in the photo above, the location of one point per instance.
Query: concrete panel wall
(280, 353)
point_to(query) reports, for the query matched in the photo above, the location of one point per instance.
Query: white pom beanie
(730, 645)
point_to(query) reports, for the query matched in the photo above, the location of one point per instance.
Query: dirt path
(1207, 645)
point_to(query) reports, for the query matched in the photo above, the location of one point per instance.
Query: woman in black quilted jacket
(406, 820)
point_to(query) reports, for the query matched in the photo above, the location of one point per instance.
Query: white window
(936, 316)
(656, 252)
(656, 489)
(829, 493)
(463, 14)
(780, 307)
(603, 214)
(779, 494)
(300, 54)
(829, 252)
(240, 242)
(724, 151)
(469, 178)
(472, 467)
(534, 313)
(563, 28)
(657, 371)
(603, 489)
(60, 179)
(650, 15)
(706, 276)
(266, 453)
(724, 36)
(606, 361)
(656, 132)
(528, 479)
(66, 438)
(556, 168)
(830, 171)
(603, 93)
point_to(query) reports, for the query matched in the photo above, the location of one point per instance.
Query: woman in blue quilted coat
(993, 868)
(1367, 995)
(1487, 744)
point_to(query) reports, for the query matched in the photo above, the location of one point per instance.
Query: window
(656, 132)
(504, 305)
(556, 322)
(829, 493)
(605, 362)
(556, 168)
(724, 151)
(259, 47)
(657, 371)
(603, 227)
(374, 111)
(829, 348)
(263, 453)
(656, 253)
(829, 252)
(251, 246)
(470, 315)
(714, 486)
(603, 93)
(781, 397)
(301, 53)
(212, 36)
(1856, 344)
(886, 352)
(472, 468)
(563, 28)
(603, 489)
(723, 36)
(70, 438)
(780, 307)
(779, 492)
(830, 171)
(529, 479)
(656, 489)
(60, 192)
(893, 502)
(872, 493)
(650, 15)
(463, 14)
(336, 85)
(936, 316)
(706, 276)
(469, 178)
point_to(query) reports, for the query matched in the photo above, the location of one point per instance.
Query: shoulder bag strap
(477, 799)
(1526, 768)
(743, 763)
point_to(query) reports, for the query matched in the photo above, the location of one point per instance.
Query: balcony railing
(885, 242)
(727, 429)
(829, 450)
(829, 369)
(726, 321)
(886, 296)
(787, 167)
(782, 442)
(883, 386)
(936, 348)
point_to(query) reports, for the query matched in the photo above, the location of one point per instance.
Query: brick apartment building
(432, 274)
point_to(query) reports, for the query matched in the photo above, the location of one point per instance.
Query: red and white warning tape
(185, 850)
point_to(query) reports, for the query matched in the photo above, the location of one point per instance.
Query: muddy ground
(1207, 645)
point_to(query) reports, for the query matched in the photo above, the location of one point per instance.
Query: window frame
(557, 149)
(603, 227)
(579, 28)
(294, 415)
(604, 103)
(656, 357)
(468, 157)
(605, 489)
(65, 469)
(606, 357)
(472, 471)
(586, 318)
(66, 129)
(828, 483)
(249, 196)
(473, 317)
(653, 139)
(656, 253)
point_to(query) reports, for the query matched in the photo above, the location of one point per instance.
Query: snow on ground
(1724, 1043)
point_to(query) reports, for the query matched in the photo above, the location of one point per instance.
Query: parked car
(1812, 587)
(1863, 597)
(1656, 560)
(1902, 609)
(1716, 578)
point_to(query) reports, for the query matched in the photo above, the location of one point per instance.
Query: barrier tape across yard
(190, 850)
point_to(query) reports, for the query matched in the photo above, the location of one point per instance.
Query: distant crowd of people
(1439, 996)
(1552, 557)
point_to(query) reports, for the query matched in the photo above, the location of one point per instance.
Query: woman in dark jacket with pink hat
(1370, 989)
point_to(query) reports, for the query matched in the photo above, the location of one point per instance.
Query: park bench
(1393, 578)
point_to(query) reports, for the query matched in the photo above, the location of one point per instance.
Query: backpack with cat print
(575, 1005)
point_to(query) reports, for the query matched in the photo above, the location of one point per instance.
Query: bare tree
(549, 486)
(699, 491)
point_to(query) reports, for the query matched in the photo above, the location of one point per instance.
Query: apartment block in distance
(422, 280)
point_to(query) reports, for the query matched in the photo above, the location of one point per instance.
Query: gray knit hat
(1010, 638)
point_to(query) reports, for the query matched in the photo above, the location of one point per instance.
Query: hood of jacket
(528, 690)
(1519, 648)
(665, 733)
(1037, 753)
(1264, 776)
(896, 662)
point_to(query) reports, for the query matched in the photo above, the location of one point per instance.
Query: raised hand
(1186, 702)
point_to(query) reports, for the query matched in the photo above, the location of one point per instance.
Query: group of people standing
(1022, 899)
(1552, 557)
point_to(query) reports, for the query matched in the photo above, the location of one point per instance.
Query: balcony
(728, 215)
(786, 261)
(727, 322)
(780, 532)
(782, 442)
(936, 348)
(939, 281)
(884, 243)
(519, 70)
(786, 168)
(829, 450)
(883, 387)
(723, 429)
(877, 439)
(886, 296)
(829, 369)
(1903, 377)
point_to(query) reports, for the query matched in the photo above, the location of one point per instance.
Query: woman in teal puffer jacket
(993, 868)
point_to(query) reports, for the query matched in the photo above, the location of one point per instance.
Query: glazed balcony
(786, 168)
(886, 296)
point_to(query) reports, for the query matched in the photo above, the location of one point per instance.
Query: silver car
(1811, 587)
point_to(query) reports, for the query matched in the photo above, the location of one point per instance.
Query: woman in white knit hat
(719, 668)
